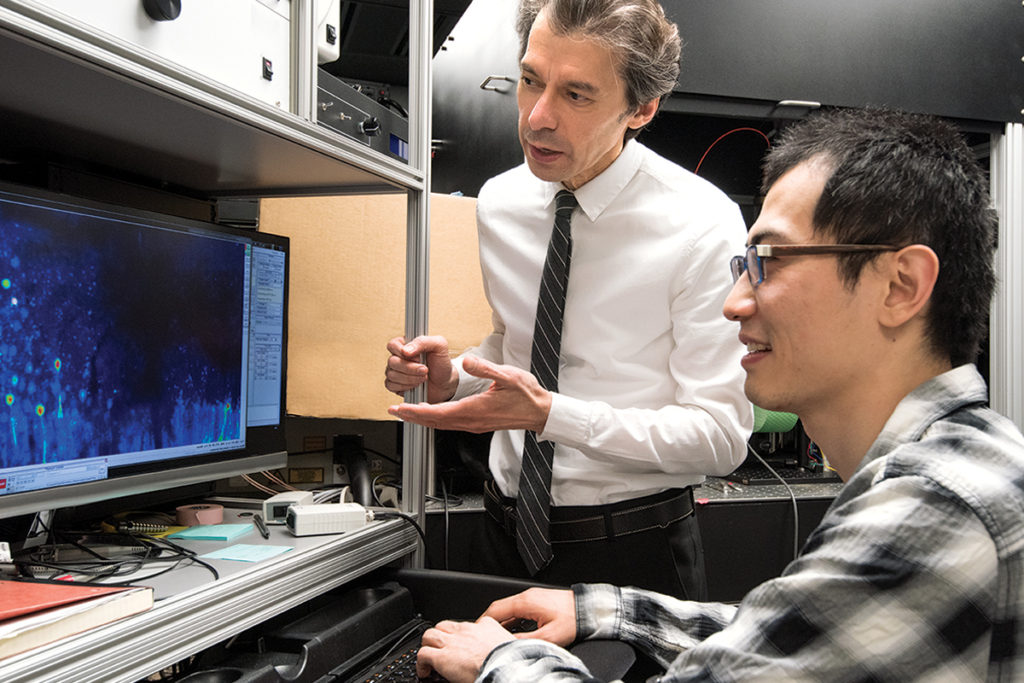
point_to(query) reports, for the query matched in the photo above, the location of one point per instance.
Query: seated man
(861, 298)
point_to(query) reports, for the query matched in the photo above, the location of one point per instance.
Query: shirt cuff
(598, 612)
(529, 661)
(568, 421)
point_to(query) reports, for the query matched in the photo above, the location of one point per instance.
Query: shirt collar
(595, 195)
(929, 402)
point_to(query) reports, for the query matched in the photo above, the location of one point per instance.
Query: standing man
(636, 386)
(862, 299)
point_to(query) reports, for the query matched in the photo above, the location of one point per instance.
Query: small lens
(736, 266)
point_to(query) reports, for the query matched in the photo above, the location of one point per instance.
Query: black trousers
(668, 560)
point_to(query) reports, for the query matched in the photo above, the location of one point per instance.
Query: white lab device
(326, 518)
(243, 44)
(276, 507)
(328, 30)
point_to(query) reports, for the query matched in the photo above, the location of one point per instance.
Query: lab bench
(747, 531)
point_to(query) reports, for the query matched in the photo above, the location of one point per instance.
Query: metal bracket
(805, 104)
(487, 86)
(793, 109)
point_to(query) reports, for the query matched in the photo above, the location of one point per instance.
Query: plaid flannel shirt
(915, 573)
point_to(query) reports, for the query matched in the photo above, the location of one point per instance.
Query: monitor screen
(137, 351)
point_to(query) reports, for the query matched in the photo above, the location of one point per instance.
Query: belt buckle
(509, 517)
(508, 512)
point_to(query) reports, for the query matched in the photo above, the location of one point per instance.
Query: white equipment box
(275, 508)
(244, 44)
(326, 518)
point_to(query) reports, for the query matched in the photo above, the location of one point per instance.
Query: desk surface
(193, 611)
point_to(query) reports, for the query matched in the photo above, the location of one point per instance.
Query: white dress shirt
(650, 384)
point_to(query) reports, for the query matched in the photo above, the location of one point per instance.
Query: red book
(33, 613)
(24, 597)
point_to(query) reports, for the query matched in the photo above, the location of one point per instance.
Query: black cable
(444, 494)
(190, 554)
(142, 579)
(452, 499)
(106, 567)
(95, 566)
(388, 513)
(390, 103)
(93, 570)
(182, 555)
(449, 499)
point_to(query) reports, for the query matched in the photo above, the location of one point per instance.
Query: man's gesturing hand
(515, 400)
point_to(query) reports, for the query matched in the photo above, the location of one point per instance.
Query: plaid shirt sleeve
(659, 625)
(896, 583)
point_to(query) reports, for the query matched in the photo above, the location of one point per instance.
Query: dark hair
(647, 45)
(904, 179)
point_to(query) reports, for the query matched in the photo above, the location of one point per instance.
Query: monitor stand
(39, 531)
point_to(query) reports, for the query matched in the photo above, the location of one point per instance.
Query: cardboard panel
(347, 294)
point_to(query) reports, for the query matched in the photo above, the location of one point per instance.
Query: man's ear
(911, 274)
(643, 115)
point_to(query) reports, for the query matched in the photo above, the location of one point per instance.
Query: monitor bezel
(265, 445)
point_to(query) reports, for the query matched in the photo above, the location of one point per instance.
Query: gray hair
(646, 43)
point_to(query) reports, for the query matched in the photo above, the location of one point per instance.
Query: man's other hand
(457, 649)
(424, 359)
(554, 610)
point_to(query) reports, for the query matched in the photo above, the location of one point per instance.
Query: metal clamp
(487, 86)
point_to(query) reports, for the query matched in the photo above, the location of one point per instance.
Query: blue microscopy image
(115, 337)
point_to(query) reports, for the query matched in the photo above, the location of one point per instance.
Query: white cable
(792, 497)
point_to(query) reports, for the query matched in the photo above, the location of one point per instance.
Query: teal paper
(213, 532)
(245, 552)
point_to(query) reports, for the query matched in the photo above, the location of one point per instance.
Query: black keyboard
(398, 664)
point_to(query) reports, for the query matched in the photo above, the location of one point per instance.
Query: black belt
(580, 523)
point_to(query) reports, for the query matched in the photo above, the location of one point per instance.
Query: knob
(162, 10)
(370, 126)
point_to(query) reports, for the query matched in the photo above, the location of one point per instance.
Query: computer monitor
(138, 351)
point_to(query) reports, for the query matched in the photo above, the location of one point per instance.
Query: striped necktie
(533, 507)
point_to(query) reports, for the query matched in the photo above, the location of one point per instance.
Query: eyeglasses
(753, 262)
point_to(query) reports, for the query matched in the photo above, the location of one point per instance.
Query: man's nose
(543, 113)
(740, 304)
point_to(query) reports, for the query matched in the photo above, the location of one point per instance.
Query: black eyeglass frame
(751, 260)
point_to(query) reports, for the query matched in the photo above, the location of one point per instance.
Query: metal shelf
(88, 96)
(206, 612)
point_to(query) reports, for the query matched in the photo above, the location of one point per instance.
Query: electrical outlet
(305, 475)
(312, 444)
